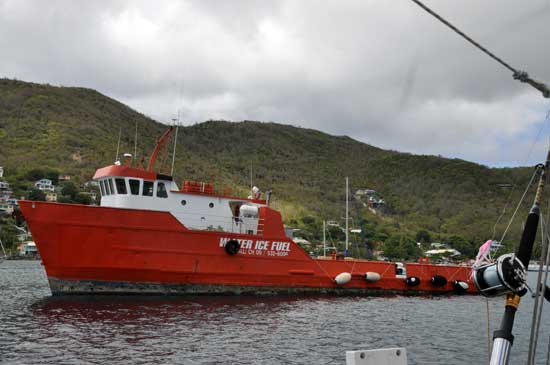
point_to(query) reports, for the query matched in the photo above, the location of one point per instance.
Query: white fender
(342, 278)
(463, 284)
(372, 276)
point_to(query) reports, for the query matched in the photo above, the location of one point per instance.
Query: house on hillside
(362, 192)
(91, 194)
(51, 196)
(91, 183)
(64, 177)
(445, 252)
(27, 248)
(289, 232)
(44, 185)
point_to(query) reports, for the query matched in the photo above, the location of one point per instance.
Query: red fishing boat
(150, 237)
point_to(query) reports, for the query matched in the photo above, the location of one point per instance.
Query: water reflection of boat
(127, 309)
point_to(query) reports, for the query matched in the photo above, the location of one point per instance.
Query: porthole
(183, 202)
(211, 205)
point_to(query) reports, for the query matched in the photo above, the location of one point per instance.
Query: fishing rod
(517, 74)
(508, 275)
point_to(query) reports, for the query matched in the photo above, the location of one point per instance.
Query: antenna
(324, 239)
(347, 208)
(135, 142)
(175, 143)
(118, 144)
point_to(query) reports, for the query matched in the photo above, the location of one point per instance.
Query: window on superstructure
(134, 186)
(111, 187)
(161, 191)
(121, 186)
(106, 186)
(147, 188)
(102, 188)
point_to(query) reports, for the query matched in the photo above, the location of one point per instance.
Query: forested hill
(75, 130)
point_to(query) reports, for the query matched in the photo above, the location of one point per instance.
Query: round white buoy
(342, 278)
(372, 276)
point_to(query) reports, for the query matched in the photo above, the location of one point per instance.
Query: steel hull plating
(87, 250)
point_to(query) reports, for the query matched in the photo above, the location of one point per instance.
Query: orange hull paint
(88, 249)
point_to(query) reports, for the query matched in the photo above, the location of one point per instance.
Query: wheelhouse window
(161, 190)
(134, 186)
(147, 188)
(102, 188)
(121, 186)
(111, 187)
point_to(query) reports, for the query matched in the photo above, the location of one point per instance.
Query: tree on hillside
(69, 190)
(83, 199)
(52, 175)
(400, 246)
(423, 236)
(36, 194)
(465, 247)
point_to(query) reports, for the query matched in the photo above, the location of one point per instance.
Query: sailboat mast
(175, 144)
(3, 250)
(324, 240)
(347, 212)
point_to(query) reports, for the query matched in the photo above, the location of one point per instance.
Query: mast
(175, 143)
(118, 143)
(324, 240)
(3, 250)
(347, 212)
(135, 142)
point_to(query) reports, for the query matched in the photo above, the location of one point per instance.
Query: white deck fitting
(392, 356)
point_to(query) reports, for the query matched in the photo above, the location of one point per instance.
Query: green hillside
(75, 130)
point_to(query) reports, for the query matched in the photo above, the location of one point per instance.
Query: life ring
(232, 247)
(438, 280)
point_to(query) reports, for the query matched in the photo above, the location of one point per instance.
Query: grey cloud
(382, 72)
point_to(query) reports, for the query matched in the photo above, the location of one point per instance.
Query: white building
(443, 252)
(27, 248)
(44, 185)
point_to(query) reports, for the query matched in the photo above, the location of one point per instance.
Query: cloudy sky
(382, 72)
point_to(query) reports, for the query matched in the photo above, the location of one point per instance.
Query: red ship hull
(104, 250)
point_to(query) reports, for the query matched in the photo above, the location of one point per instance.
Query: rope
(488, 331)
(518, 75)
(519, 204)
(509, 199)
(323, 270)
(459, 32)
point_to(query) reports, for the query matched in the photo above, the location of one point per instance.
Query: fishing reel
(506, 275)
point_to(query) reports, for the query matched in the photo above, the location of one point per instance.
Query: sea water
(36, 328)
